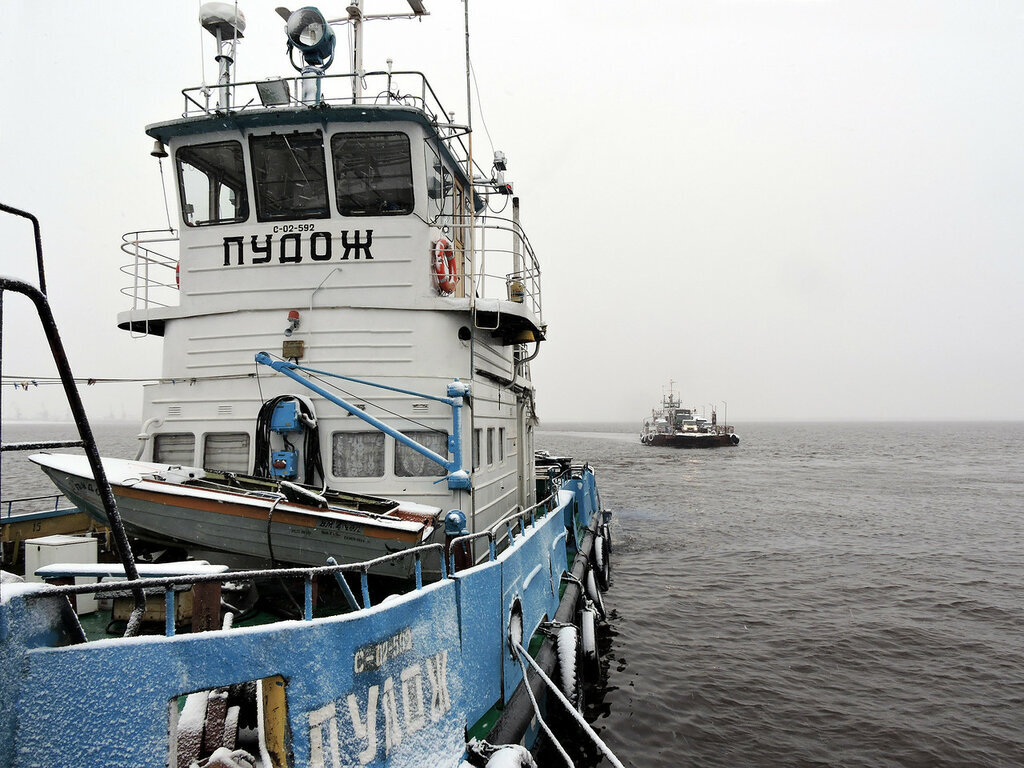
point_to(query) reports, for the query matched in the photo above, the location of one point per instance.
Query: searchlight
(308, 30)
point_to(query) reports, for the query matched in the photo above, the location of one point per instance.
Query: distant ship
(673, 426)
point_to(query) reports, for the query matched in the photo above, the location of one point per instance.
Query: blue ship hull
(400, 683)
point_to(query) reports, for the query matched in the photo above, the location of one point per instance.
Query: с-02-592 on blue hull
(273, 620)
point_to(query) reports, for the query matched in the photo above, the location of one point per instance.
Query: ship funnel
(226, 24)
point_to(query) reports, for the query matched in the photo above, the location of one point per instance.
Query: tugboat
(345, 412)
(673, 426)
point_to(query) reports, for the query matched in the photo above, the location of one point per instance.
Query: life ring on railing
(445, 271)
(177, 275)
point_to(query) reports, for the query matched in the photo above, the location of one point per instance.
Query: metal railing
(153, 273)
(170, 584)
(496, 537)
(7, 507)
(377, 88)
(508, 269)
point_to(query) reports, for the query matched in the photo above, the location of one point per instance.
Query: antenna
(226, 23)
(356, 17)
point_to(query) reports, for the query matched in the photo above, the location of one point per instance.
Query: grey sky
(807, 208)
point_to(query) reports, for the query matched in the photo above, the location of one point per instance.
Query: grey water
(820, 595)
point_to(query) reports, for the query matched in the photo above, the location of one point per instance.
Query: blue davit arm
(458, 478)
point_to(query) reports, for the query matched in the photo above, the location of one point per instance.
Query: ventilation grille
(223, 410)
(174, 410)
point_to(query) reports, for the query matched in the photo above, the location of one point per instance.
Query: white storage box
(50, 550)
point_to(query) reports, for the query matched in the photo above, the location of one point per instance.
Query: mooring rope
(536, 708)
(568, 705)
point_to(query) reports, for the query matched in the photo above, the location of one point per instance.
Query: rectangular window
(226, 451)
(409, 463)
(357, 454)
(476, 448)
(211, 180)
(174, 448)
(290, 174)
(501, 444)
(490, 445)
(372, 174)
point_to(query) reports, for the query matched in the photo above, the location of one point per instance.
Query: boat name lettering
(329, 727)
(328, 526)
(294, 228)
(374, 656)
(289, 248)
(83, 486)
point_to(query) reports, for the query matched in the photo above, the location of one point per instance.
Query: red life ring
(445, 271)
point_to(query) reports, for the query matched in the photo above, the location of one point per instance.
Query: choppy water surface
(827, 594)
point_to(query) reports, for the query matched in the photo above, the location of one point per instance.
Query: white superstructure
(346, 234)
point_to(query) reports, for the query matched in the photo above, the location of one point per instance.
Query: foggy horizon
(808, 209)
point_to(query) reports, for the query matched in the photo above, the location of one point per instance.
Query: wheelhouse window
(357, 454)
(290, 176)
(211, 180)
(372, 174)
(409, 463)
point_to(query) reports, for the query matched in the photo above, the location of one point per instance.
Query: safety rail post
(463, 541)
(169, 612)
(307, 614)
(144, 278)
(346, 590)
(365, 584)
(419, 572)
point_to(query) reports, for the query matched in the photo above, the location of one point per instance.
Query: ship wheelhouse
(349, 239)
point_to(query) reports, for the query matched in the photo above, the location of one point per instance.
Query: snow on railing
(168, 584)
